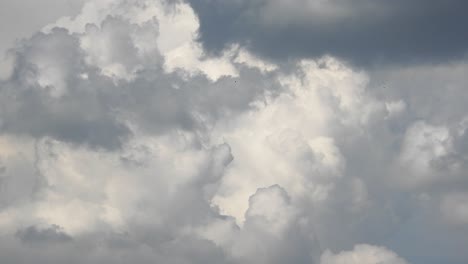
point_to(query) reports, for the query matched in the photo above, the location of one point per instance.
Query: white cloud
(149, 24)
(423, 147)
(245, 57)
(289, 139)
(362, 254)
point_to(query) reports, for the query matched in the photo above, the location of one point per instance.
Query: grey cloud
(19, 180)
(435, 99)
(163, 102)
(432, 92)
(30, 108)
(272, 232)
(29, 17)
(54, 91)
(52, 234)
(398, 211)
(95, 250)
(364, 32)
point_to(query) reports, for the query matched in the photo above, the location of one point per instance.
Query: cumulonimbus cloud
(122, 139)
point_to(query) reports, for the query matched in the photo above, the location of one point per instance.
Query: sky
(233, 131)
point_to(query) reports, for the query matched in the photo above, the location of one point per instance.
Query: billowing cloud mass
(137, 131)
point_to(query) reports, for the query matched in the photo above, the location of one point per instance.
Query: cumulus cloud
(125, 139)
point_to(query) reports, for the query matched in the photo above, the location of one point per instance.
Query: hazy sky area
(233, 132)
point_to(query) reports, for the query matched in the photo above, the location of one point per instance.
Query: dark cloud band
(362, 31)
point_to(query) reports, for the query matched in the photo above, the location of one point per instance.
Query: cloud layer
(364, 32)
(124, 139)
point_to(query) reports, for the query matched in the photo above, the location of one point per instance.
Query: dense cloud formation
(362, 31)
(123, 138)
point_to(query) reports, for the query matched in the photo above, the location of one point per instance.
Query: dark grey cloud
(46, 97)
(361, 31)
(52, 234)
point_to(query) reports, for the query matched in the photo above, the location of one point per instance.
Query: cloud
(84, 83)
(454, 208)
(364, 32)
(364, 254)
(272, 232)
(424, 147)
(124, 139)
(52, 234)
(30, 17)
(286, 140)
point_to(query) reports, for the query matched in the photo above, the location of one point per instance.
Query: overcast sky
(233, 131)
